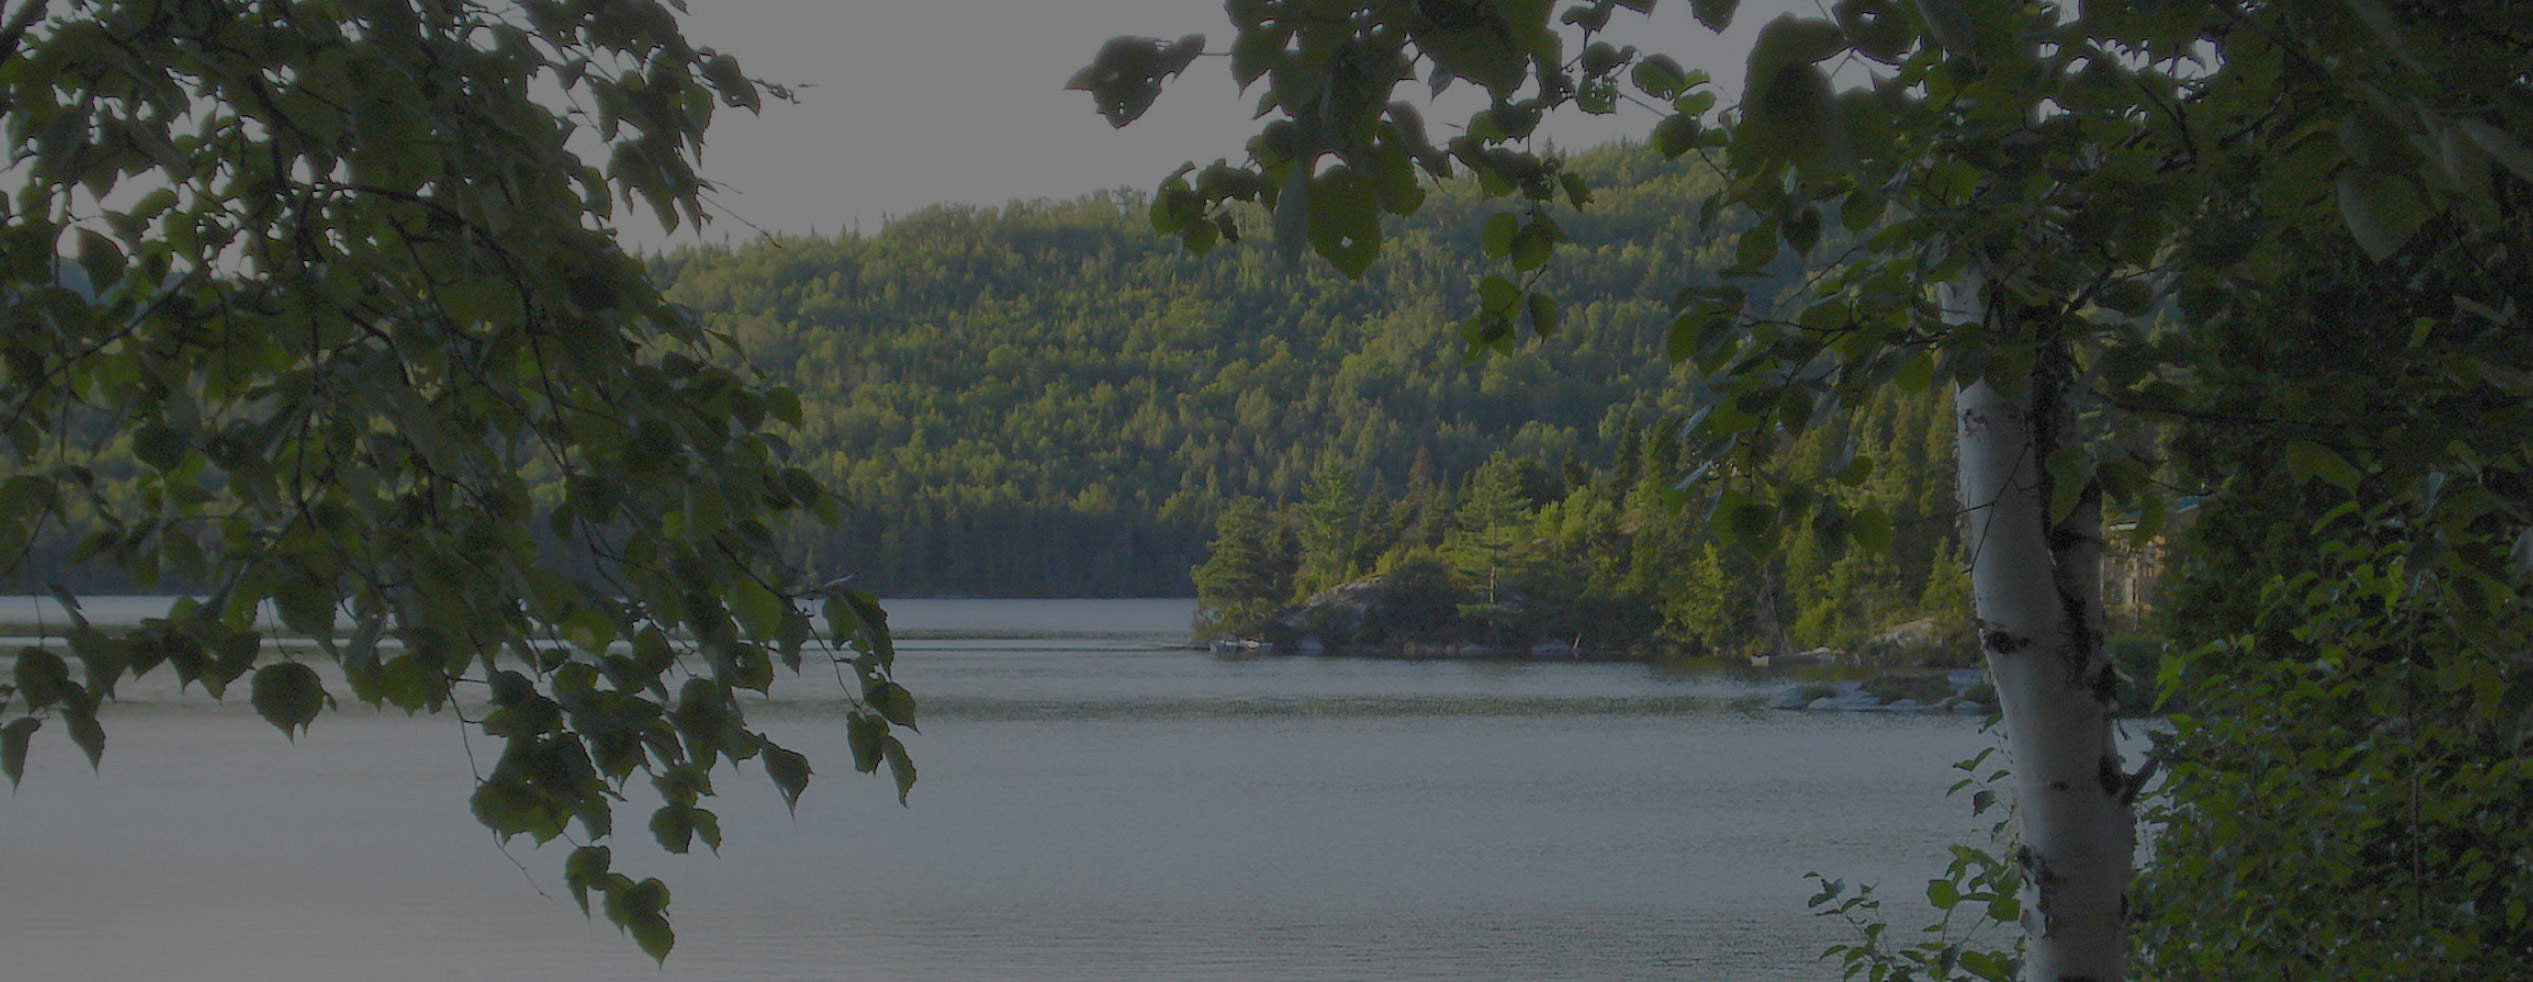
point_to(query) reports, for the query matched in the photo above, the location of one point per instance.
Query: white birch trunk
(2037, 592)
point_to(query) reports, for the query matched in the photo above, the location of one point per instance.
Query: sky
(909, 103)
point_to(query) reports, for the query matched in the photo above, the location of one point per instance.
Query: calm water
(1094, 806)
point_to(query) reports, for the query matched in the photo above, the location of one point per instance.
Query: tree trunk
(2037, 593)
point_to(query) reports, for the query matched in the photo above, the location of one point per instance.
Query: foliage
(2096, 167)
(1976, 895)
(2355, 799)
(2352, 756)
(1041, 399)
(1249, 572)
(1615, 557)
(344, 300)
(2080, 169)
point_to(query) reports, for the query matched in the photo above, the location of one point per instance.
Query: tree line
(1043, 399)
(1615, 558)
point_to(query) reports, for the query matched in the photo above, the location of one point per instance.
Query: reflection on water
(1094, 805)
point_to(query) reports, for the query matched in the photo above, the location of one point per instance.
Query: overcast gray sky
(907, 103)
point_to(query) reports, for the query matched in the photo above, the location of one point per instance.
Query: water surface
(1096, 804)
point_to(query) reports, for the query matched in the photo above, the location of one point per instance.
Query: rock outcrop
(1951, 692)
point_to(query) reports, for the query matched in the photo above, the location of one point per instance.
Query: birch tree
(315, 306)
(2069, 178)
(2035, 585)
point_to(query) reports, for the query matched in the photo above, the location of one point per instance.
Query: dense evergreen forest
(1045, 399)
(1613, 559)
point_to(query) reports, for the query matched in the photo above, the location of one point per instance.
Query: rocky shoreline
(1963, 691)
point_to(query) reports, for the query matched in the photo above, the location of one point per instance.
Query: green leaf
(1345, 220)
(307, 606)
(641, 909)
(1950, 24)
(708, 828)
(1857, 470)
(2068, 479)
(1660, 77)
(652, 932)
(1916, 372)
(1803, 230)
(1126, 76)
(288, 695)
(61, 594)
(1543, 314)
(1257, 51)
(1602, 58)
(891, 701)
(857, 615)
(1715, 14)
(2128, 297)
(586, 870)
(1483, 52)
(1578, 191)
(84, 731)
(1677, 134)
(1871, 530)
(863, 732)
(2383, 210)
(13, 741)
(2307, 461)
(1987, 965)
(1753, 524)
(1497, 239)
(100, 259)
(1533, 245)
(1791, 42)
(1875, 27)
(759, 609)
(751, 667)
(673, 826)
(1860, 209)
(2500, 144)
(103, 659)
(1756, 248)
(1791, 116)
(900, 766)
(159, 445)
(789, 771)
(1944, 894)
(43, 678)
(651, 652)
(1498, 294)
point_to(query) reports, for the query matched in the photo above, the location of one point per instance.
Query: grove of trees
(1044, 400)
(2091, 222)
(341, 295)
(1612, 557)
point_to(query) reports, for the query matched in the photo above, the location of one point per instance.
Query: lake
(1095, 804)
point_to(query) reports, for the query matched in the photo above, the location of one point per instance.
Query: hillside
(1044, 399)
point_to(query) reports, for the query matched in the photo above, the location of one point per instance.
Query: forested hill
(1047, 400)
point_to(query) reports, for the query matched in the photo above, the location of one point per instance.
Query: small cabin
(2133, 568)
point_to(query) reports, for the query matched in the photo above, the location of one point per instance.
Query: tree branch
(28, 12)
